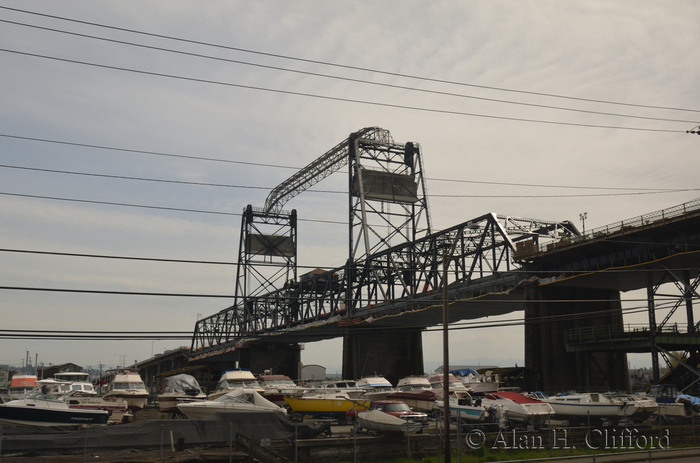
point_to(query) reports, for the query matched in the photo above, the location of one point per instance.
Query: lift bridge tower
(387, 205)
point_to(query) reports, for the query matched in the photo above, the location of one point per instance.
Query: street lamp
(583, 218)
(695, 130)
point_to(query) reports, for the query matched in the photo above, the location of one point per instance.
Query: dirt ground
(151, 456)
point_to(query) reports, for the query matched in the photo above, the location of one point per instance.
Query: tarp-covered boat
(376, 420)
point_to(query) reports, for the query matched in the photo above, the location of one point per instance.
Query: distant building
(4, 379)
(313, 373)
(48, 372)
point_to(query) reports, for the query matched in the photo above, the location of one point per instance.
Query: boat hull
(169, 403)
(418, 400)
(200, 410)
(28, 416)
(332, 407)
(585, 409)
(134, 402)
(383, 422)
(464, 412)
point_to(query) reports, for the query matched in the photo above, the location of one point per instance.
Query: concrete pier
(552, 309)
(391, 354)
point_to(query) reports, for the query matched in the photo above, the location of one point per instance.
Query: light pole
(583, 218)
(695, 130)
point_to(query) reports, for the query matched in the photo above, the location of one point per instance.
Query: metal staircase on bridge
(395, 264)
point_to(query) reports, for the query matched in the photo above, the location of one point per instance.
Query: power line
(223, 185)
(340, 99)
(154, 153)
(345, 66)
(175, 335)
(348, 79)
(121, 293)
(268, 264)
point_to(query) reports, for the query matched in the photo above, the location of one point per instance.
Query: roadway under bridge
(386, 294)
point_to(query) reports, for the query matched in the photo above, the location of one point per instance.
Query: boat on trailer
(334, 406)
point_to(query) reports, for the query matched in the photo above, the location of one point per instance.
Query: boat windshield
(239, 383)
(399, 407)
(129, 385)
(280, 382)
(82, 387)
(241, 398)
(36, 394)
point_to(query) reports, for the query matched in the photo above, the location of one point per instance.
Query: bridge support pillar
(393, 355)
(280, 358)
(552, 310)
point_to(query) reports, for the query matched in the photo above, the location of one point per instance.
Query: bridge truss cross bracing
(380, 277)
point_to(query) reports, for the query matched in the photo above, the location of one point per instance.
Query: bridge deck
(609, 338)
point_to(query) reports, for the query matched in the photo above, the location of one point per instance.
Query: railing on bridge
(634, 223)
(617, 333)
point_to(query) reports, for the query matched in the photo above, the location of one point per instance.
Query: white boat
(240, 400)
(38, 409)
(476, 382)
(277, 387)
(579, 408)
(465, 410)
(79, 382)
(348, 387)
(413, 383)
(518, 408)
(456, 388)
(182, 388)
(80, 399)
(416, 392)
(235, 378)
(645, 407)
(376, 420)
(129, 386)
(117, 408)
(375, 387)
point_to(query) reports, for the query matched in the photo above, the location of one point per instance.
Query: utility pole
(446, 359)
(583, 218)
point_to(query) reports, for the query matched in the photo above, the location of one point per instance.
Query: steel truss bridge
(399, 272)
(395, 264)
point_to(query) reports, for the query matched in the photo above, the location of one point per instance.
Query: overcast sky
(539, 109)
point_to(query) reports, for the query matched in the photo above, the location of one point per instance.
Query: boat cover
(246, 396)
(184, 383)
(150, 434)
(416, 394)
(514, 396)
(464, 372)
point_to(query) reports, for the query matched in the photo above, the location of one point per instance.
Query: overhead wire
(270, 264)
(92, 335)
(224, 185)
(340, 99)
(345, 66)
(348, 79)
(173, 335)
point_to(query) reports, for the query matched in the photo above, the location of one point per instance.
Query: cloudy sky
(539, 109)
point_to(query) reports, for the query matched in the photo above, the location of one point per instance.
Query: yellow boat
(326, 405)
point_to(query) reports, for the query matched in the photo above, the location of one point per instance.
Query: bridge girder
(397, 279)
